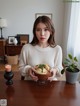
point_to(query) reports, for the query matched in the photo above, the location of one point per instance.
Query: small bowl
(43, 77)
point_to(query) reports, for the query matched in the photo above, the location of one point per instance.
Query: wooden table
(28, 93)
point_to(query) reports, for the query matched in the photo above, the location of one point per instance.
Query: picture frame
(11, 39)
(23, 38)
(43, 14)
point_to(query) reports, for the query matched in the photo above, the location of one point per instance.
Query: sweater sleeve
(23, 61)
(58, 61)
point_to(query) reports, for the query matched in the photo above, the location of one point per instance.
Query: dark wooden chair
(22, 77)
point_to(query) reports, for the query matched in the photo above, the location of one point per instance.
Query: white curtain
(73, 45)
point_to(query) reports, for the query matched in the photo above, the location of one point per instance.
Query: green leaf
(70, 56)
(75, 59)
(62, 72)
(67, 60)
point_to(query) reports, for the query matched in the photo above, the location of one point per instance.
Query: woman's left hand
(53, 74)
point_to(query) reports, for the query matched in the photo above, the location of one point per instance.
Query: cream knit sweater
(33, 55)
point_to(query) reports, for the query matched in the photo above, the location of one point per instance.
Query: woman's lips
(42, 38)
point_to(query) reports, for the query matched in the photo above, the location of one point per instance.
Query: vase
(15, 41)
(8, 76)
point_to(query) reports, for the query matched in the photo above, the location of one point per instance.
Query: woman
(42, 50)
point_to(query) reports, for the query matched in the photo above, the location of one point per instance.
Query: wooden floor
(14, 67)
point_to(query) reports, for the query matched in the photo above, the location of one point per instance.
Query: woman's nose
(42, 33)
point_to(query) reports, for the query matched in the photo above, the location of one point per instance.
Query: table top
(29, 93)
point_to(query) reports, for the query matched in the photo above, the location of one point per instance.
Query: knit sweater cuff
(25, 70)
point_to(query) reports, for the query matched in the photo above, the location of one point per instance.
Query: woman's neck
(43, 45)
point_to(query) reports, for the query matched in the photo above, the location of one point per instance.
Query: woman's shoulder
(27, 45)
(58, 47)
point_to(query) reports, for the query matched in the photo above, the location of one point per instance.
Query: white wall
(20, 15)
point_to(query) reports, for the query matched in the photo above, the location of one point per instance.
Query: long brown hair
(47, 21)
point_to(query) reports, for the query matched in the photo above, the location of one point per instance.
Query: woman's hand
(32, 74)
(53, 74)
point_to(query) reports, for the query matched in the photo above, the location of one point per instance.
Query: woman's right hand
(32, 74)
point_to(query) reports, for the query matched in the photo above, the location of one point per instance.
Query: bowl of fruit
(42, 71)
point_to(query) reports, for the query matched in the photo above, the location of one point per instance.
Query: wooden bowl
(43, 76)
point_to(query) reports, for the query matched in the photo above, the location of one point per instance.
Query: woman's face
(42, 33)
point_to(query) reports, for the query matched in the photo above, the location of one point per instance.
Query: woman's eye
(37, 29)
(46, 29)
